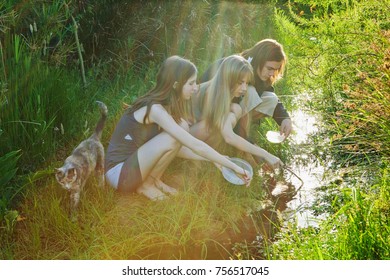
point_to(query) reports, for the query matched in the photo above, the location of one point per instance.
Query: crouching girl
(154, 130)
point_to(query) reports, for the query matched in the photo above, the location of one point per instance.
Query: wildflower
(377, 146)
(386, 33)
(336, 137)
(387, 54)
(362, 75)
(351, 147)
(350, 105)
(346, 88)
(386, 66)
(250, 59)
(351, 129)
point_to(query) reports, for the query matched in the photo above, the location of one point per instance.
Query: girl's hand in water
(274, 162)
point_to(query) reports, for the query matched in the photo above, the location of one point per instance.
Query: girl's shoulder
(157, 107)
(156, 110)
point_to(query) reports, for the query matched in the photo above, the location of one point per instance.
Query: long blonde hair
(174, 69)
(263, 51)
(218, 92)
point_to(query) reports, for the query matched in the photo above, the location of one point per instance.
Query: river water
(308, 169)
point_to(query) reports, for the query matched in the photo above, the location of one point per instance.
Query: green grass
(201, 222)
(358, 230)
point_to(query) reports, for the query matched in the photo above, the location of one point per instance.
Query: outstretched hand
(244, 175)
(274, 162)
(241, 172)
(286, 127)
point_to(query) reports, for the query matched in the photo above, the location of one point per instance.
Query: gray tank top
(127, 137)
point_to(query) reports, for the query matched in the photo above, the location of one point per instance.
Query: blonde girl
(268, 60)
(153, 131)
(217, 113)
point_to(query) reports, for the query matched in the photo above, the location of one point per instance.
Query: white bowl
(231, 176)
(275, 137)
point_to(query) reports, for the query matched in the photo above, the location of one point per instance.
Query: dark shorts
(126, 176)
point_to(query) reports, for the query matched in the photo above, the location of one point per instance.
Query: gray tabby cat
(86, 158)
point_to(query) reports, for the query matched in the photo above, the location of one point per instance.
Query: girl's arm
(161, 117)
(187, 153)
(240, 143)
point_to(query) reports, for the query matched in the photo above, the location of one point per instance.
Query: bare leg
(159, 169)
(199, 130)
(242, 126)
(150, 191)
(164, 187)
(163, 164)
(154, 157)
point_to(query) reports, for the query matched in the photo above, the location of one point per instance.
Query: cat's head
(66, 176)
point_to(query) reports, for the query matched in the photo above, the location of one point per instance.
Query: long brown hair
(263, 51)
(219, 90)
(174, 69)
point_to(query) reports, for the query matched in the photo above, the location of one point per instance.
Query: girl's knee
(236, 109)
(171, 143)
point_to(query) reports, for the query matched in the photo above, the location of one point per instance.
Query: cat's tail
(100, 125)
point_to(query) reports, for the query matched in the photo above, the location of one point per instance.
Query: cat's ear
(59, 173)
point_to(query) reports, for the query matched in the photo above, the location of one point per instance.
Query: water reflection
(304, 166)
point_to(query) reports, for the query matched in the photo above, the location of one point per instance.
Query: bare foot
(164, 187)
(151, 192)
